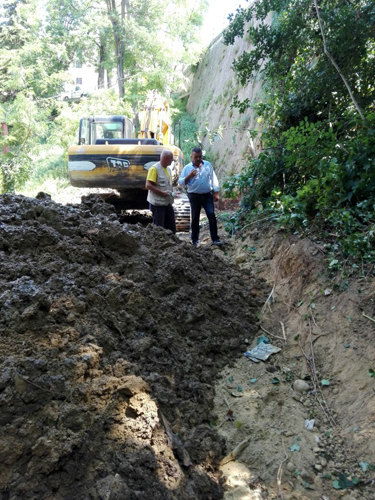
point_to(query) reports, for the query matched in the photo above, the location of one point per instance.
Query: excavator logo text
(115, 164)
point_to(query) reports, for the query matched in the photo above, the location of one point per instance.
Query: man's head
(166, 158)
(196, 156)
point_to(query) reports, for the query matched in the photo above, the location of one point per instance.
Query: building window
(78, 64)
(78, 81)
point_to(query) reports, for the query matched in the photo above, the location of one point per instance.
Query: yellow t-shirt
(152, 174)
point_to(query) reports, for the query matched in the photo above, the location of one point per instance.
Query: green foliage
(29, 62)
(27, 125)
(35, 50)
(317, 168)
(289, 55)
(157, 37)
(188, 129)
(314, 174)
(38, 43)
(191, 137)
(208, 100)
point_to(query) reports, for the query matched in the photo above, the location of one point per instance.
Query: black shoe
(195, 243)
(217, 242)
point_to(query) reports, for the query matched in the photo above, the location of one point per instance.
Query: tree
(25, 122)
(25, 87)
(140, 42)
(151, 37)
(288, 52)
(318, 113)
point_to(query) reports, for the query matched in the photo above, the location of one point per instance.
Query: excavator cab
(94, 128)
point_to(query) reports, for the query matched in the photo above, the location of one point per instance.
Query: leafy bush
(317, 168)
(315, 174)
(26, 123)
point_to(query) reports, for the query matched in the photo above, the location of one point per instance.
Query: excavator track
(182, 212)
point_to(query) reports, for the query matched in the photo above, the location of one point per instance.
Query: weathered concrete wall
(211, 94)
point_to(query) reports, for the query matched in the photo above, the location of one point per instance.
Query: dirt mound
(112, 336)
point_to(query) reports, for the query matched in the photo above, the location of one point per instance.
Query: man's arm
(185, 176)
(215, 185)
(151, 186)
(152, 177)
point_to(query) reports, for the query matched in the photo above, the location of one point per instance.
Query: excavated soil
(113, 336)
(323, 322)
(122, 368)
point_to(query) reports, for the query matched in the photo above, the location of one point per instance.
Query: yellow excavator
(109, 156)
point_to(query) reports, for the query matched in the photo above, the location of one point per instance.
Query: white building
(83, 80)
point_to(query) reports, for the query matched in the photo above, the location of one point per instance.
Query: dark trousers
(197, 202)
(163, 216)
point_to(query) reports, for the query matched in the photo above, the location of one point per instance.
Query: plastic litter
(261, 352)
(295, 447)
(237, 394)
(309, 424)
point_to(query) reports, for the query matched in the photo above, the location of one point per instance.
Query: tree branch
(358, 108)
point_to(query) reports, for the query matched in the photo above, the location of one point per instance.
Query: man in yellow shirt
(160, 195)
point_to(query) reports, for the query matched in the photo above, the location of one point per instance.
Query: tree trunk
(136, 116)
(110, 81)
(101, 68)
(118, 26)
(334, 63)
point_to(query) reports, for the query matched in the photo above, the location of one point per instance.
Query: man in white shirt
(203, 189)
